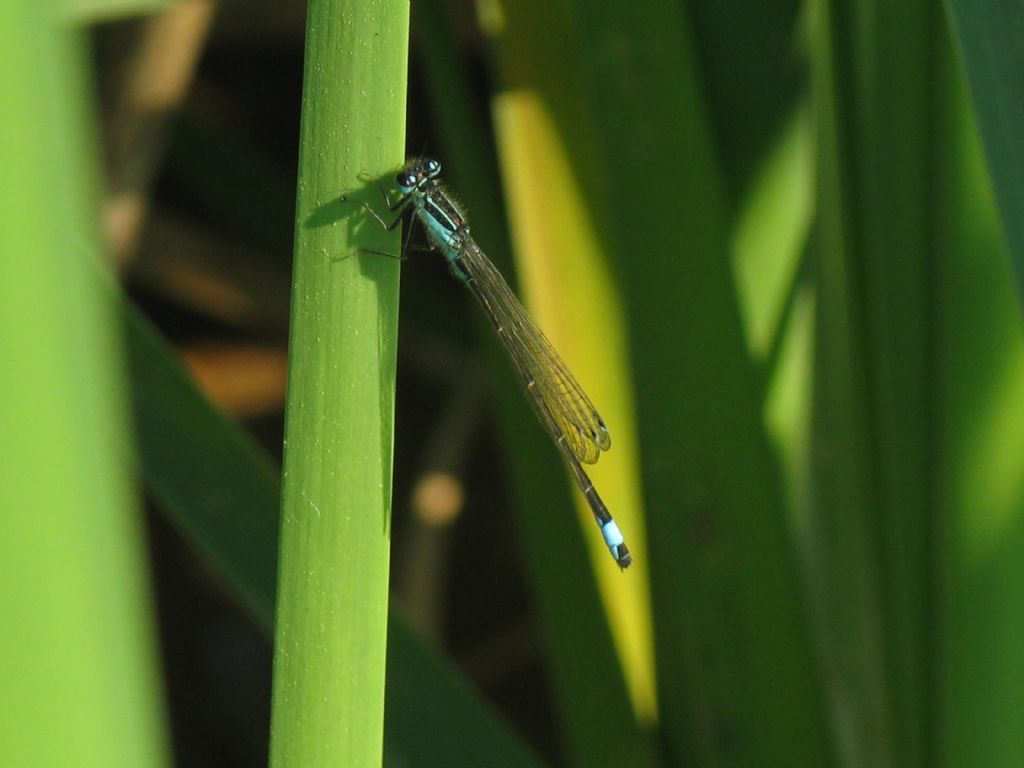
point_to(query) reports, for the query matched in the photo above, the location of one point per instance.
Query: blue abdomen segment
(616, 543)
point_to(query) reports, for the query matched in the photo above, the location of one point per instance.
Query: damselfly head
(416, 173)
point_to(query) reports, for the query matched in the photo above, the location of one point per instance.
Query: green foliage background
(789, 249)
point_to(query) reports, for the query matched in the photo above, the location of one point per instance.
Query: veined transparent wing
(572, 412)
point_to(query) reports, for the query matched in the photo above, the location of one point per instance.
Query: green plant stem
(328, 705)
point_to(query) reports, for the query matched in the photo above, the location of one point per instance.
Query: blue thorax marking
(444, 223)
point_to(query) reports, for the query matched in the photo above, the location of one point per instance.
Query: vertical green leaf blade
(209, 478)
(737, 678)
(78, 679)
(332, 596)
(990, 34)
(872, 438)
(600, 677)
(979, 484)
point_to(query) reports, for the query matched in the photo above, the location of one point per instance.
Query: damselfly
(560, 402)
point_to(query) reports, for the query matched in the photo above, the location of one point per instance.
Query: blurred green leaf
(210, 479)
(870, 456)
(753, 69)
(78, 673)
(770, 234)
(991, 46)
(916, 327)
(737, 683)
(979, 458)
(434, 719)
(99, 11)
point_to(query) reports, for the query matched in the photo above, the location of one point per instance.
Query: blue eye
(433, 167)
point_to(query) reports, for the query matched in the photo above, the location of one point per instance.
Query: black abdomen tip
(623, 558)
